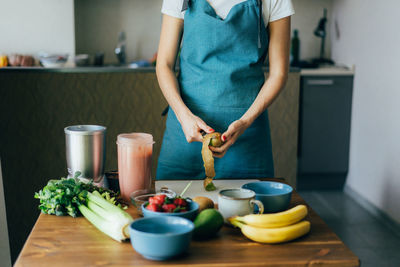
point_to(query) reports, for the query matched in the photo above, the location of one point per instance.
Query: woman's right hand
(192, 127)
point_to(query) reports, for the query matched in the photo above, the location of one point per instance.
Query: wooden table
(67, 241)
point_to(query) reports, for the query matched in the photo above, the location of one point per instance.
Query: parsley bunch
(64, 196)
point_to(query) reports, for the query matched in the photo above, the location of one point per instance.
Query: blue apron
(220, 76)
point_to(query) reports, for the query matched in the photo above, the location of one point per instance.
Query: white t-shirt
(272, 9)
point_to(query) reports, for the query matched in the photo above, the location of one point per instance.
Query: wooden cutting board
(196, 188)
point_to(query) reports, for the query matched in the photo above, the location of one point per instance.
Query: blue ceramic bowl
(190, 214)
(162, 237)
(274, 196)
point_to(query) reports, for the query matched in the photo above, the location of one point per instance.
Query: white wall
(370, 38)
(5, 258)
(306, 18)
(31, 26)
(98, 23)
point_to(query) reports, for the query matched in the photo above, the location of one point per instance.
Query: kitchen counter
(67, 241)
(328, 71)
(105, 69)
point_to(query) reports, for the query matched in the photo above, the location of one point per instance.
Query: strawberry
(168, 207)
(160, 198)
(180, 202)
(157, 199)
(153, 207)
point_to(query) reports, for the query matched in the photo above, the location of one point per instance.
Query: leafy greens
(64, 196)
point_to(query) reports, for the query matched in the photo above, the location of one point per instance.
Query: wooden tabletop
(67, 241)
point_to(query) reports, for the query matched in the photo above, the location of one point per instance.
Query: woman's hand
(229, 137)
(192, 127)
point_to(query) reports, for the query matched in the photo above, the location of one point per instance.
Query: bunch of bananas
(274, 228)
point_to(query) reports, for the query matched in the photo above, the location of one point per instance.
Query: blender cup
(85, 149)
(134, 162)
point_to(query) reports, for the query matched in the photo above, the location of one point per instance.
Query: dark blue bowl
(190, 214)
(274, 196)
(162, 237)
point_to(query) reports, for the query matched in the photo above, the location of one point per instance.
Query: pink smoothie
(134, 162)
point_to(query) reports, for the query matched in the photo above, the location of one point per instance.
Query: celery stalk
(108, 218)
(99, 200)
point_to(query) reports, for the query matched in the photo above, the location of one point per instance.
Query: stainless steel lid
(85, 129)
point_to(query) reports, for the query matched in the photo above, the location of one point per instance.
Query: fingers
(230, 131)
(229, 137)
(193, 127)
(222, 148)
(219, 155)
(219, 152)
(203, 126)
(194, 137)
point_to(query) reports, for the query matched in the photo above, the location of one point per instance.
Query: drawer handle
(320, 82)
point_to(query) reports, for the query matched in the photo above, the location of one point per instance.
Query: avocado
(207, 223)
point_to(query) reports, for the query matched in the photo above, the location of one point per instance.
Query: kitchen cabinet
(324, 131)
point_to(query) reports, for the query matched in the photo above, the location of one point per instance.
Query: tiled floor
(366, 235)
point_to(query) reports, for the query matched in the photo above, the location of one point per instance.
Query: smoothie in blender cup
(134, 162)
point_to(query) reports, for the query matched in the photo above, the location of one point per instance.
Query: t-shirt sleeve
(173, 8)
(280, 9)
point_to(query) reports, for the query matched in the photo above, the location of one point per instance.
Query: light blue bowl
(161, 238)
(190, 214)
(274, 196)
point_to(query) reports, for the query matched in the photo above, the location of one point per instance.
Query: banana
(274, 220)
(274, 235)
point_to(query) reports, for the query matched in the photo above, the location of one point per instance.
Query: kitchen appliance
(324, 131)
(134, 162)
(85, 150)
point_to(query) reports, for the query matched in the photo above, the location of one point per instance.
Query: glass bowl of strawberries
(162, 205)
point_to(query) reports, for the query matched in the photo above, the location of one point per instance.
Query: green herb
(102, 207)
(62, 197)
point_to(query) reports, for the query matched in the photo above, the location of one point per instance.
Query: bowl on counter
(139, 197)
(161, 237)
(53, 60)
(190, 214)
(275, 196)
(82, 60)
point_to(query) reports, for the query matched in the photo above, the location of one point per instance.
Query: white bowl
(53, 60)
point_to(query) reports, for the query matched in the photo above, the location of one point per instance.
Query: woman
(221, 85)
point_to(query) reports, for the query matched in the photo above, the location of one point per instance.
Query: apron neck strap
(185, 5)
(260, 17)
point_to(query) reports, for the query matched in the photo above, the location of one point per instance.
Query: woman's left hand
(229, 137)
